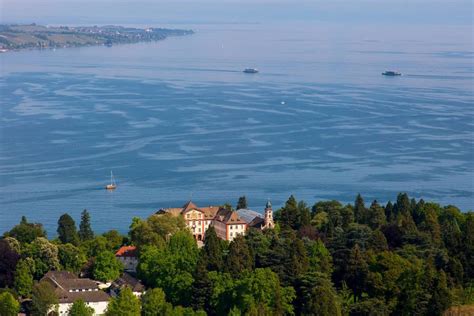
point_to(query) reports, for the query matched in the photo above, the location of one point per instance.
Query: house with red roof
(128, 255)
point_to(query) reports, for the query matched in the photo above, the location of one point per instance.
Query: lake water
(178, 119)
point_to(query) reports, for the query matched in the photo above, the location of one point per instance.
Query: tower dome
(269, 204)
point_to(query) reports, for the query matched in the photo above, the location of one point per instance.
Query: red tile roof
(229, 217)
(189, 206)
(127, 251)
(210, 213)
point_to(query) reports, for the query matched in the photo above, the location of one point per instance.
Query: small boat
(112, 185)
(391, 73)
(250, 70)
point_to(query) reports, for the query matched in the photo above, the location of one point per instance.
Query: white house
(69, 288)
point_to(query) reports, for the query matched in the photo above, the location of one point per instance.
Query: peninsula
(16, 36)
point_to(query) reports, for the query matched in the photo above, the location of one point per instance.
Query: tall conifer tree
(213, 250)
(242, 203)
(202, 286)
(239, 258)
(85, 230)
(359, 209)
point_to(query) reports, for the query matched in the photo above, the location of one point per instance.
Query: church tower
(268, 219)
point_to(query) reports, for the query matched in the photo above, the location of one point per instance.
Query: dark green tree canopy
(412, 257)
(43, 298)
(315, 295)
(289, 215)
(213, 250)
(8, 260)
(67, 231)
(85, 229)
(242, 203)
(239, 257)
(26, 232)
(360, 212)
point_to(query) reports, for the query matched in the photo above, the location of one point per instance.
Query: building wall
(221, 229)
(99, 308)
(115, 292)
(195, 222)
(233, 230)
(198, 225)
(129, 263)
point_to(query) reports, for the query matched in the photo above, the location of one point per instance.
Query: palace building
(228, 224)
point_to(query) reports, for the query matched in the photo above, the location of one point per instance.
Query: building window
(199, 229)
(231, 234)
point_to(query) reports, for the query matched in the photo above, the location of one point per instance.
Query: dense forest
(404, 258)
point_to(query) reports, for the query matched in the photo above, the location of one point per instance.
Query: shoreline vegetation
(409, 257)
(14, 37)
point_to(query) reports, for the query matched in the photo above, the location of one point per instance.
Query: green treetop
(242, 203)
(289, 215)
(43, 298)
(357, 271)
(9, 306)
(67, 231)
(85, 230)
(45, 256)
(80, 308)
(24, 277)
(71, 257)
(156, 229)
(171, 267)
(213, 250)
(125, 304)
(26, 232)
(360, 212)
(316, 295)
(106, 267)
(239, 257)
(154, 303)
(202, 286)
(261, 290)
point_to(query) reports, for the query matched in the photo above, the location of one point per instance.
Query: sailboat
(112, 185)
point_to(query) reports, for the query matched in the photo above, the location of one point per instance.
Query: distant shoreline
(18, 37)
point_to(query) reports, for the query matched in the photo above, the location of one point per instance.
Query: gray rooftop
(248, 215)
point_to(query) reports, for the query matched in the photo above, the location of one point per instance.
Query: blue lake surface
(178, 119)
